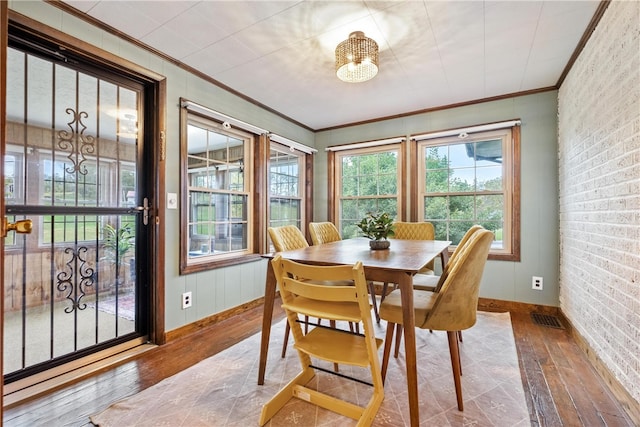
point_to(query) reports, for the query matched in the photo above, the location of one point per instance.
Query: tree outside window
(367, 182)
(466, 182)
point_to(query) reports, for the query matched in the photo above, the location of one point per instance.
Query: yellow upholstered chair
(412, 231)
(326, 232)
(415, 231)
(301, 295)
(287, 238)
(323, 232)
(452, 309)
(429, 282)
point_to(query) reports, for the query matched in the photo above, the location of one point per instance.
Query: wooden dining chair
(287, 238)
(452, 309)
(301, 295)
(326, 232)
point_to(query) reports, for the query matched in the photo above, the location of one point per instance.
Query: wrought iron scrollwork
(76, 142)
(77, 277)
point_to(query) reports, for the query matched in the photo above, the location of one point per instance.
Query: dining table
(398, 265)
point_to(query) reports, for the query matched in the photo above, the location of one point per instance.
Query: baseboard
(629, 404)
(198, 325)
(484, 304)
(488, 304)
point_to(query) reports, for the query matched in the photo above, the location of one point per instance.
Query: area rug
(222, 390)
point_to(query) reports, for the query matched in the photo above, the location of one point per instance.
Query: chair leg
(385, 289)
(374, 302)
(455, 365)
(287, 328)
(387, 349)
(459, 335)
(398, 338)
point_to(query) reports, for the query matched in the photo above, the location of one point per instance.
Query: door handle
(145, 210)
(23, 226)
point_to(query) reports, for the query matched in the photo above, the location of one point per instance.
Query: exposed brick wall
(599, 173)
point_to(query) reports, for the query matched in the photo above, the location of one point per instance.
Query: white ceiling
(432, 53)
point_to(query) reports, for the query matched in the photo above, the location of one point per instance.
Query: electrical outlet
(536, 283)
(187, 300)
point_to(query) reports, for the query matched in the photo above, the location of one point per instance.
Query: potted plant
(117, 243)
(377, 227)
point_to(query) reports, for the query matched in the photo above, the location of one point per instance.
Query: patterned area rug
(222, 390)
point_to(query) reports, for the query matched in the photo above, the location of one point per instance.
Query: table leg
(267, 316)
(444, 257)
(408, 322)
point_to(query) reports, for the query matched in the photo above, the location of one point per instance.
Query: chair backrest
(456, 253)
(413, 230)
(287, 237)
(303, 291)
(456, 304)
(323, 232)
(302, 295)
(465, 239)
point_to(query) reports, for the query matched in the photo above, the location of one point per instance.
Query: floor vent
(546, 320)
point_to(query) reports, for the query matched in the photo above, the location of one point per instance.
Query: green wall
(221, 289)
(539, 235)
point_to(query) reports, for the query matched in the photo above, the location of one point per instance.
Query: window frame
(301, 197)
(257, 162)
(409, 201)
(511, 184)
(252, 170)
(335, 175)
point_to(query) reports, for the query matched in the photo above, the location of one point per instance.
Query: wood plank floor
(561, 387)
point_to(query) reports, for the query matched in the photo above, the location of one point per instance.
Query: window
(218, 181)
(472, 181)
(366, 180)
(455, 179)
(236, 180)
(286, 186)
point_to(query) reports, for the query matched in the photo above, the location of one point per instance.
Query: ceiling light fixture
(357, 58)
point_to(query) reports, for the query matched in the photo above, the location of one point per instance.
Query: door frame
(4, 25)
(155, 88)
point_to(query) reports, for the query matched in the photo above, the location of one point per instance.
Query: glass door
(72, 166)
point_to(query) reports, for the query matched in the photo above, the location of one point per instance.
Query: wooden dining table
(398, 264)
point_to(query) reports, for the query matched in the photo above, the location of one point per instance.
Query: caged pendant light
(357, 58)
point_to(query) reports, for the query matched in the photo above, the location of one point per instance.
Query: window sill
(212, 265)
